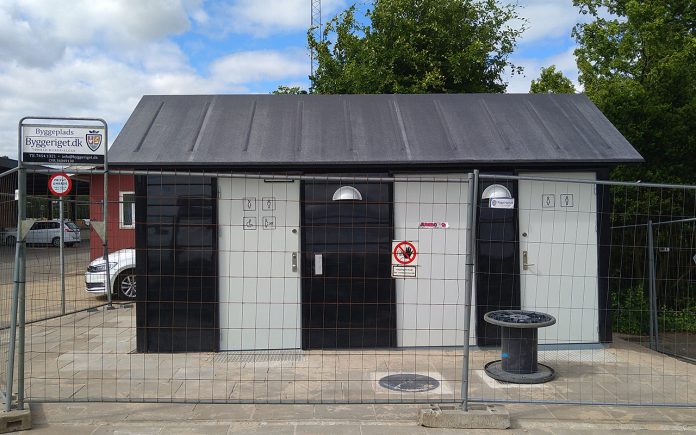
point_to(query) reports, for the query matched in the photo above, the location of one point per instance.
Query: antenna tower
(316, 31)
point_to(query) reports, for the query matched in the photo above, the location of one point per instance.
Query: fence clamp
(98, 227)
(24, 227)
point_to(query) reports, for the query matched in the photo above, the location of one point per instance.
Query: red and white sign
(60, 184)
(434, 225)
(404, 253)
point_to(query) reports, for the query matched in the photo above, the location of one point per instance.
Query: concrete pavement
(172, 419)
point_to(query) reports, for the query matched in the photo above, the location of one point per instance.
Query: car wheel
(10, 240)
(125, 285)
(56, 242)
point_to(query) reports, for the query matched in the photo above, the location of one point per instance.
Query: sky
(96, 58)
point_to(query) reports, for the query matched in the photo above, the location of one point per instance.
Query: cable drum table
(519, 342)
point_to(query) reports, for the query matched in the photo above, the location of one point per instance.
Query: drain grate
(409, 382)
(277, 356)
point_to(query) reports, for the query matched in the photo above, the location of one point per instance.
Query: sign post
(60, 185)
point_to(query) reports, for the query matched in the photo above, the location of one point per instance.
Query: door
(497, 279)
(348, 296)
(558, 255)
(259, 264)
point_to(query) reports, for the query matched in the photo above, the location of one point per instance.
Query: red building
(121, 213)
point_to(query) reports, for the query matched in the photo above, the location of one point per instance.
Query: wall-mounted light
(496, 191)
(347, 193)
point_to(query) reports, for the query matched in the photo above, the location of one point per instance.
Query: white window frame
(121, 225)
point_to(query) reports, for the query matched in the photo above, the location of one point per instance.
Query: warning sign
(401, 271)
(404, 253)
(59, 184)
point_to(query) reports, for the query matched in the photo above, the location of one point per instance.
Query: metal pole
(107, 286)
(651, 286)
(62, 256)
(21, 318)
(469, 280)
(19, 252)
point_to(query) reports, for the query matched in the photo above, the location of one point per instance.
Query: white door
(259, 230)
(558, 238)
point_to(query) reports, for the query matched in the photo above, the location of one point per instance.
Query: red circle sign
(60, 184)
(404, 253)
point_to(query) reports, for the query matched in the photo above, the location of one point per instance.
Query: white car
(47, 232)
(121, 274)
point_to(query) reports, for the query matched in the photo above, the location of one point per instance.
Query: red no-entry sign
(60, 184)
(404, 252)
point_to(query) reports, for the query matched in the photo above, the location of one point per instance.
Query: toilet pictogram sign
(404, 253)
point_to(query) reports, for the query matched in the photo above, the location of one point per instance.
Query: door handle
(525, 263)
(294, 261)
(318, 264)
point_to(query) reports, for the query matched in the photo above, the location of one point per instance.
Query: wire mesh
(266, 289)
(577, 249)
(269, 288)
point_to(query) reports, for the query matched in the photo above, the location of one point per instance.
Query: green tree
(417, 46)
(552, 81)
(638, 65)
(289, 90)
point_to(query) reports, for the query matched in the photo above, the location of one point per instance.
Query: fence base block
(19, 419)
(479, 416)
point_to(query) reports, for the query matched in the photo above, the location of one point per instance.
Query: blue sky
(96, 58)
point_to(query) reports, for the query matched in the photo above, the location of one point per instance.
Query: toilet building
(247, 240)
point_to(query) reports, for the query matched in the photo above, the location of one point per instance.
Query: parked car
(121, 274)
(47, 232)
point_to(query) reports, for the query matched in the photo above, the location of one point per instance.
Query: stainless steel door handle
(525, 263)
(294, 261)
(318, 264)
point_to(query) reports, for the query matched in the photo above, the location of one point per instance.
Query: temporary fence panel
(581, 255)
(271, 288)
(266, 288)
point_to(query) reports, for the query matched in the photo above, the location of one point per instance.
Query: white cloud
(254, 66)
(263, 18)
(96, 58)
(565, 62)
(548, 19)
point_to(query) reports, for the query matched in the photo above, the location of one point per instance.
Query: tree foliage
(638, 65)
(417, 46)
(552, 81)
(289, 90)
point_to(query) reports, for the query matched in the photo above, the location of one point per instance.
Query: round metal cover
(519, 318)
(409, 382)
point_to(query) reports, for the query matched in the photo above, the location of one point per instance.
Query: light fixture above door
(347, 193)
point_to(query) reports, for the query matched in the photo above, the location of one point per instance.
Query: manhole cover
(409, 382)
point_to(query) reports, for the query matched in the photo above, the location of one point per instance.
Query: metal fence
(283, 288)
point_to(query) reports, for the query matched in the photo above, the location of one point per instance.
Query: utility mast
(316, 31)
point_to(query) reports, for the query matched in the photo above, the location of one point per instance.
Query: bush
(631, 311)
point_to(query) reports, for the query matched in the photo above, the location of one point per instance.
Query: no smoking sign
(60, 184)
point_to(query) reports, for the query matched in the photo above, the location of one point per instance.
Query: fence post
(654, 343)
(469, 279)
(17, 292)
(105, 236)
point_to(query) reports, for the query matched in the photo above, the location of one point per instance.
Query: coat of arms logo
(94, 139)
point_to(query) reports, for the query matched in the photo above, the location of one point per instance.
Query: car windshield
(72, 226)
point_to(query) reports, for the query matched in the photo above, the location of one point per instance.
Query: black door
(176, 264)
(348, 296)
(498, 273)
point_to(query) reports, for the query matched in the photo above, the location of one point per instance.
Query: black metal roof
(307, 130)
